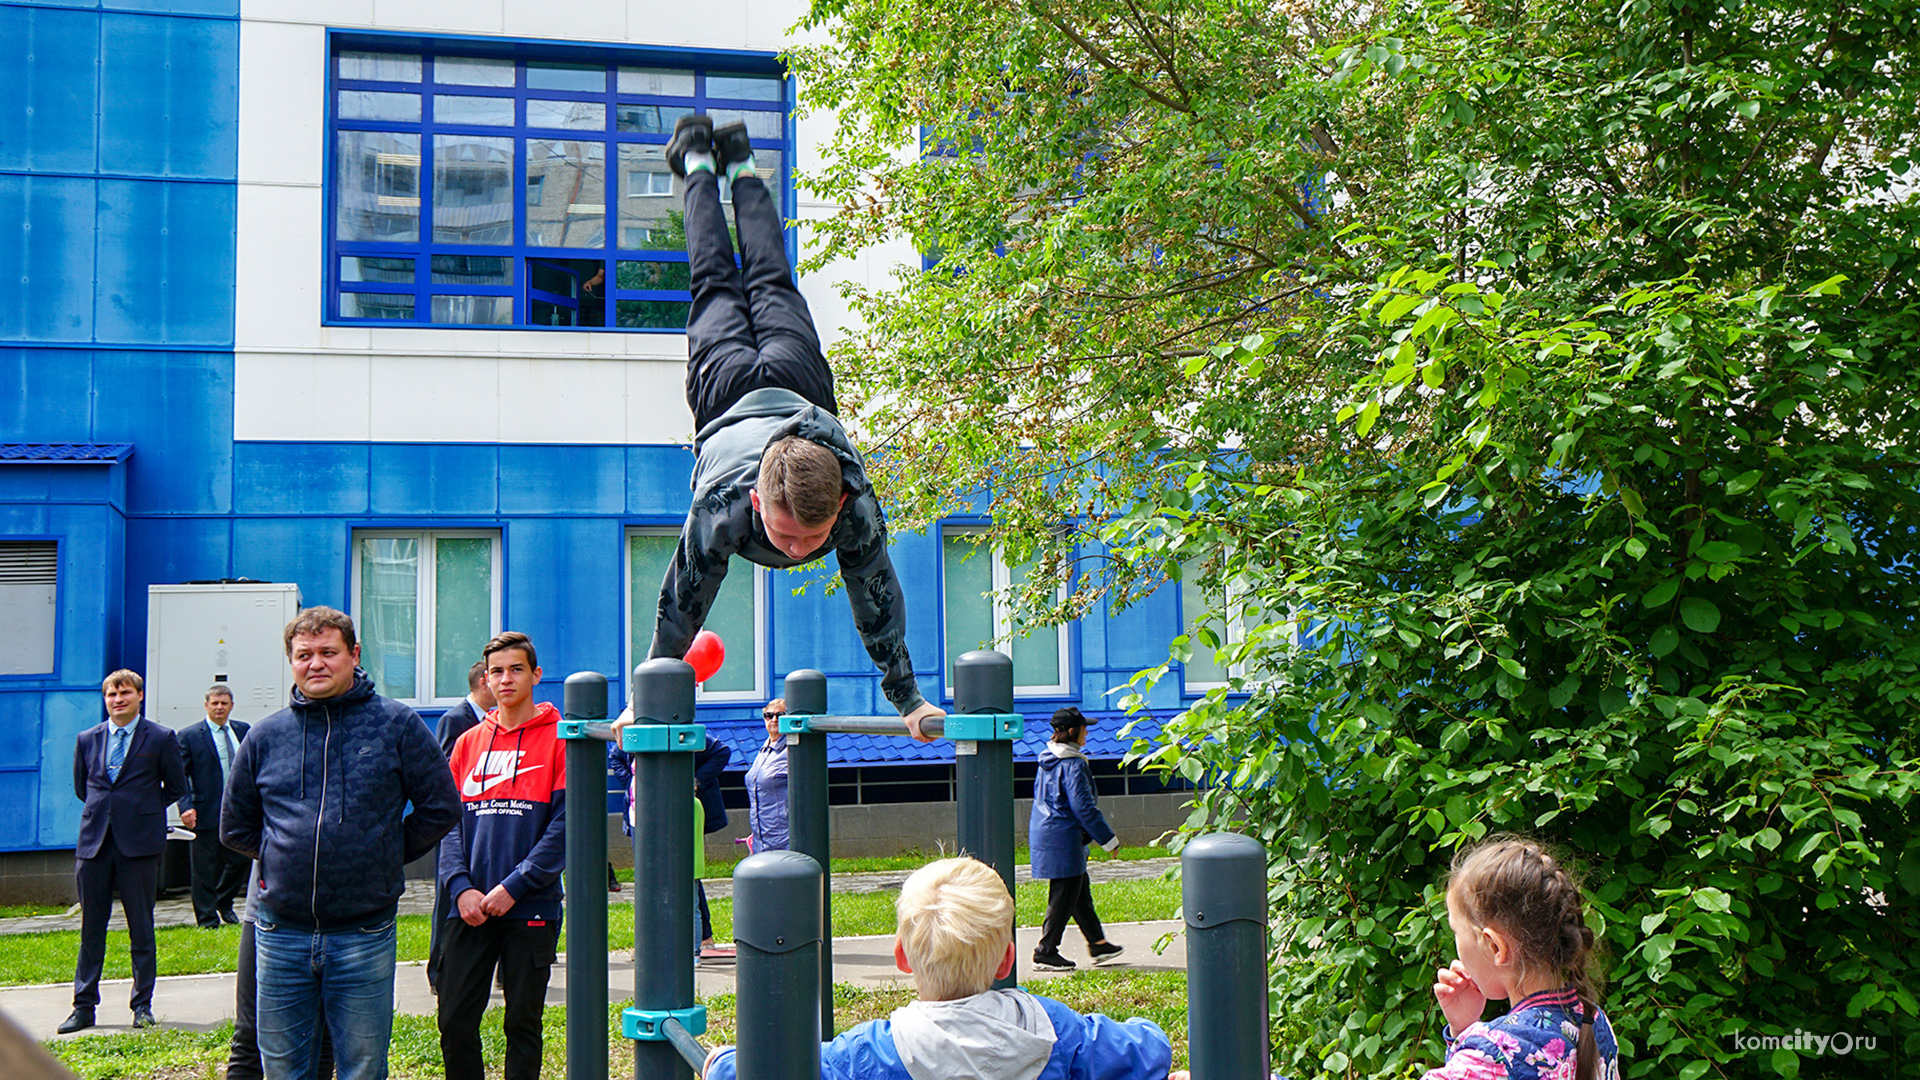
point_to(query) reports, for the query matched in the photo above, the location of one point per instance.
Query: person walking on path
(125, 771)
(767, 785)
(1066, 818)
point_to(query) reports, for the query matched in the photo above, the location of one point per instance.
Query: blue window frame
(471, 190)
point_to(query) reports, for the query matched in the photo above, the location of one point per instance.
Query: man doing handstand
(776, 479)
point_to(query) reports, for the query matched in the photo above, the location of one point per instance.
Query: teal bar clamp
(649, 1025)
(986, 727)
(794, 723)
(662, 738)
(576, 729)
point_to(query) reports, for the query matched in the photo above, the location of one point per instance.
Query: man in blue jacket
(318, 794)
(126, 771)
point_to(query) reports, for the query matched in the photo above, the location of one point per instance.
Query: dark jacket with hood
(723, 524)
(513, 824)
(317, 792)
(1066, 814)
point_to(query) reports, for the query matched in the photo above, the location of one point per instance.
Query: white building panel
(297, 379)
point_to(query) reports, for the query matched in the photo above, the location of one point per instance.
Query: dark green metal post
(663, 953)
(808, 829)
(1223, 896)
(983, 771)
(777, 931)
(585, 698)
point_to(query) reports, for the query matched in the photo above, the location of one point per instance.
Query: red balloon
(706, 654)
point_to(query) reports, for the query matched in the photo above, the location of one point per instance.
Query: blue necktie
(117, 754)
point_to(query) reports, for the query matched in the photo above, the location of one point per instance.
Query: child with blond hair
(955, 937)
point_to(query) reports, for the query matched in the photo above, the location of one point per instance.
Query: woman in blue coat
(1066, 817)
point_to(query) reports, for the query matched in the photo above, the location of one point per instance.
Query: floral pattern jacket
(1538, 1040)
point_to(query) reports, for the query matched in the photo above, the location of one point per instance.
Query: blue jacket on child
(997, 1035)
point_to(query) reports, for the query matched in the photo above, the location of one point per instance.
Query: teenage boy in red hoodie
(502, 867)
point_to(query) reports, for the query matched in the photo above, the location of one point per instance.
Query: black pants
(219, 875)
(138, 880)
(437, 934)
(706, 913)
(243, 1058)
(1069, 898)
(749, 327)
(525, 956)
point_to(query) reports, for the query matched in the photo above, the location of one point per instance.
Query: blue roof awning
(64, 453)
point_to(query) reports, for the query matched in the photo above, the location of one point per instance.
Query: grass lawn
(33, 959)
(167, 1054)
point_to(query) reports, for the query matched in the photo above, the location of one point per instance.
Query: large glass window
(1227, 627)
(739, 615)
(424, 605)
(551, 174)
(975, 579)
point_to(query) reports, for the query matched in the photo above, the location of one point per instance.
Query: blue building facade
(254, 333)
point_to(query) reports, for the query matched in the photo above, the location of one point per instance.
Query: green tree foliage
(1534, 384)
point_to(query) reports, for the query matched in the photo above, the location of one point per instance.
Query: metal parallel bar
(809, 827)
(873, 725)
(777, 934)
(1223, 898)
(585, 699)
(983, 772)
(694, 1054)
(664, 951)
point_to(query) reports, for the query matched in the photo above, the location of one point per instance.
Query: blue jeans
(350, 971)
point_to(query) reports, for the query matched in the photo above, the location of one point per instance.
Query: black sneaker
(690, 133)
(1105, 952)
(1051, 961)
(730, 144)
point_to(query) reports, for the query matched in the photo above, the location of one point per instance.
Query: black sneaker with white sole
(1051, 961)
(1105, 953)
(731, 144)
(690, 134)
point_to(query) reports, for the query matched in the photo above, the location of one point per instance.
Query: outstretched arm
(693, 579)
(879, 607)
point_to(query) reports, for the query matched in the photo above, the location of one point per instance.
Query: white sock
(740, 168)
(697, 160)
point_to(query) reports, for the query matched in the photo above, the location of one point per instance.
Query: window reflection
(745, 87)
(366, 305)
(651, 218)
(658, 82)
(572, 179)
(376, 268)
(377, 186)
(473, 71)
(649, 119)
(589, 77)
(374, 105)
(491, 111)
(472, 270)
(473, 310)
(472, 189)
(572, 115)
(380, 67)
(760, 125)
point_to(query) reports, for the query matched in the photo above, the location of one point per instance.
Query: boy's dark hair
(317, 620)
(477, 674)
(801, 477)
(1515, 884)
(511, 639)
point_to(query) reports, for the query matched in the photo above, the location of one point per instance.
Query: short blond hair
(123, 677)
(955, 923)
(802, 478)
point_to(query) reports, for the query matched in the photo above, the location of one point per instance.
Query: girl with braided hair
(1520, 931)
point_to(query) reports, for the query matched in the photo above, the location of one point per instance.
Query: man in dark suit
(126, 771)
(219, 872)
(454, 723)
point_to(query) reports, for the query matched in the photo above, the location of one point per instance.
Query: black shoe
(1051, 961)
(1105, 952)
(143, 1017)
(80, 1020)
(690, 133)
(730, 144)
(227, 916)
(214, 925)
